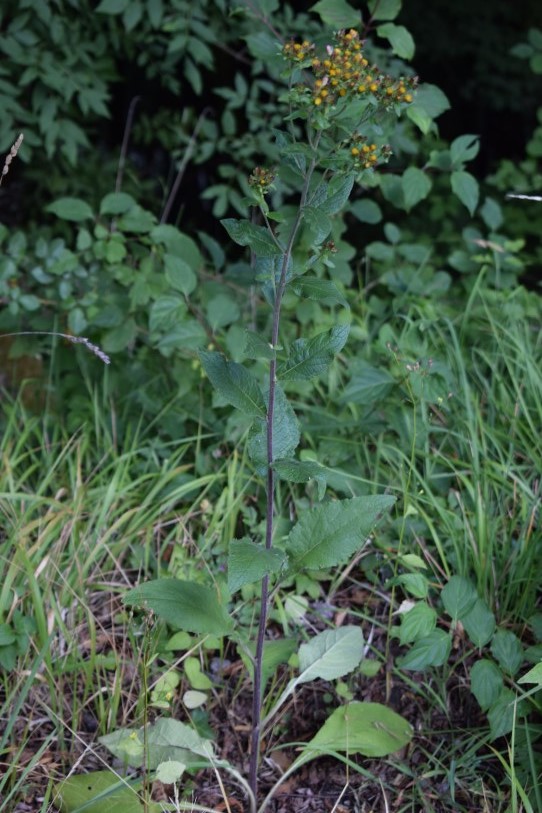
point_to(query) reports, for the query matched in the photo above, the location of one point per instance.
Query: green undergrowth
(450, 426)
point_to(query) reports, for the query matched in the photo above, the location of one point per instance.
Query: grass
(84, 516)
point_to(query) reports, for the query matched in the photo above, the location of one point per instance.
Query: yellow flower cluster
(297, 51)
(367, 156)
(345, 71)
(261, 178)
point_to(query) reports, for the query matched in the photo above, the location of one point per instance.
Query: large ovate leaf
(255, 237)
(367, 385)
(433, 650)
(179, 244)
(73, 209)
(185, 605)
(286, 434)
(466, 187)
(234, 383)
(179, 274)
(459, 597)
(256, 347)
(384, 9)
(165, 739)
(301, 471)
(97, 792)
(248, 562)
(370, 729)
(337, 14)
(416, 186)
(399, 38)
(429, 103)
(464, 148)
(311, 357)
(330, 533)
(338, 192)
(508, 650)
(486, 682)
(329, 655)
(318, 222)
(479, 623)
(321, 290)
(116, 203)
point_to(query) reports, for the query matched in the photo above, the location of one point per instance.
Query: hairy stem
(264, 595)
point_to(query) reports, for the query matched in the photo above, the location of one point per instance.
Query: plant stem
(264, 594)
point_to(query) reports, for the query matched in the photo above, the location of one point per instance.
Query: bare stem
(264, 595)
(182, 166)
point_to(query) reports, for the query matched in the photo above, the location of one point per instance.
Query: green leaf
(179, 274)
(430, 102)
(256, 347)
(29, 302)
(431, 99)
(311, 357)
(459, 597)
(166, 313)
(502, 713)
(486, 682)
(318, 223)
(414, 583)
(256, 237)
(337, 14)
(416, 186)
(236, 385)
(186, 605)
(399, 38)
(417, 623)
(479, 623)
(534, 675)
(296, 471)
(112, 6)
(171, 771)
(196, 678)
(384, 9)
(248, 563)
(136, 220)
(338, 192)
(70, 209)
(370, 729)
(222, 311)
(275, 652)
(507, 649)
(491, 214)
(367, 385)
(116, 203)
(465, 186)
(96, 792)
(366, 210)
(179, 244)
(330, 654)
(433, 650)
(7, 636)
(119, 338)
(464, 148)
(320, 290)
(330, 533)
(285, 433)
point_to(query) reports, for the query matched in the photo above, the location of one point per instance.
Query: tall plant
(337, 104)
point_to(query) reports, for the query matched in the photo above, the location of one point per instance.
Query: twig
(186, 158)
(125, 139)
